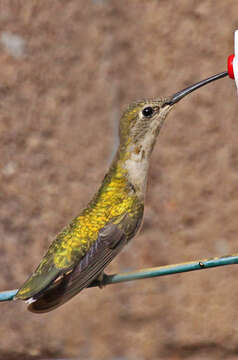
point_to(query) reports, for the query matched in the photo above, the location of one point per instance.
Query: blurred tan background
(67, 70)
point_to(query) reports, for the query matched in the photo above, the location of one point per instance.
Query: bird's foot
(100, 279)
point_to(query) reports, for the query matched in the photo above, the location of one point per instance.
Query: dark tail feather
(52, 297)
(70, 285)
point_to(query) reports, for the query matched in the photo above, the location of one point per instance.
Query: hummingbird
(81, 251)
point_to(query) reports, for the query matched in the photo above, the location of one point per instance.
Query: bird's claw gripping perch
(101, 280)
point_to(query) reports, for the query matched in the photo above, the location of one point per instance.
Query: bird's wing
(47, 272)
(110, 241)
(50, 286)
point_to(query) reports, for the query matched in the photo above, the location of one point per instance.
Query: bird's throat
(132, 162)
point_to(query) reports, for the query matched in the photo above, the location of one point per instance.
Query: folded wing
(110, 241)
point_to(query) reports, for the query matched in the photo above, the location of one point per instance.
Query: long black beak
(179, 95)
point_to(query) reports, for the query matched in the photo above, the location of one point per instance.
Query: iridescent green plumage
(114, 199)
(119, 202)
(83, 249)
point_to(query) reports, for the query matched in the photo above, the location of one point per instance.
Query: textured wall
(67, 69)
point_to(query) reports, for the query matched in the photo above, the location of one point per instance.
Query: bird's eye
(148, 111)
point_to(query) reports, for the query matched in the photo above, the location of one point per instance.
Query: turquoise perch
(152, 272)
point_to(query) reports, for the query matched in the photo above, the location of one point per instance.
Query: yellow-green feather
(114, 199)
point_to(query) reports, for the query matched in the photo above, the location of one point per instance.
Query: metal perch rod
(151, 272)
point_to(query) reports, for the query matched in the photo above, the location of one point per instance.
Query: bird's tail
(56, 295)
(71, 284)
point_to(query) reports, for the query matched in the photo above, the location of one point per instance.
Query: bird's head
(141, 118)
(142, 121)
